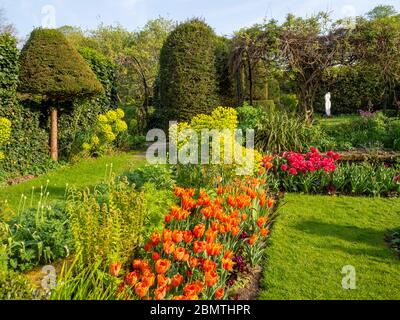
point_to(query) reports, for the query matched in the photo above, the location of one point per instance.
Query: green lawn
(315, 236)
(84, 174)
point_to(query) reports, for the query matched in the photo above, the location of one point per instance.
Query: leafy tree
(188, 83)
(381, 11)
(376, 43)
(53, 68)
(309, 48)
(250, 47)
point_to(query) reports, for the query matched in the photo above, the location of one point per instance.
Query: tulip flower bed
(303, 172)
(207, 241)
(320, 174)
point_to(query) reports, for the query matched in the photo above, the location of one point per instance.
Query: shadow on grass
(351, 234)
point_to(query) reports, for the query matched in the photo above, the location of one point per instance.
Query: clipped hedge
(26, 151)
(51, 66)
(188, 81)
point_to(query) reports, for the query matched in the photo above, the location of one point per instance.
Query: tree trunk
(251, 84)
(239, 86)
(53, 134)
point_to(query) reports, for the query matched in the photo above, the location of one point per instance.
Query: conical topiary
(53, 68)
(188, 80)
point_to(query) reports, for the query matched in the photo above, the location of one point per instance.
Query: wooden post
(53, 134)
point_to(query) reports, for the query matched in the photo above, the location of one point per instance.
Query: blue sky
(225, 16)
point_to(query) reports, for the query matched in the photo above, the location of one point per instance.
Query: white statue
(328, 104)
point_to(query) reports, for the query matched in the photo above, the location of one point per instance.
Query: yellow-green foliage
(106, 224)
(225, 120)
(5, 132)
(109, 126)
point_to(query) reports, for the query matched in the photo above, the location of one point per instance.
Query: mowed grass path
(315, 236)
(85, 174)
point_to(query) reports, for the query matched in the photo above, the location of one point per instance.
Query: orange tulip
(244, 217)
(253, 239)
(148, 246)
(235, 231)
(179, 298)
(162, 266)
(199, 286)
(199, 246)
(162, 280)
(179, 191)
(227, 264)
(199, 230)
(214, 226)
(132, 278)
(211, 236)
(155, 256)
(177, 280)
(209, 265)
(169, 247)
(232, 201)
(168, 218)
(211, 278)
(228, 254)
(251, 193)
(155, 239)
(177, 236)
(187, 236)
(269, 165)
(219, 293)
(115, 268)
(190, 290)
(141, 289)
(193, 262)
(214, 249)
(271, 203)
(137, 264)
(167, 235)
(149, 279)
(220, 190)
(264, 232)
(160, 293)
(261, 222)
(179, 254)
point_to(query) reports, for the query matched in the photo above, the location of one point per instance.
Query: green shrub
(38, 236)
(280, 131)
(137, 142)
(14, 286)
(51, 66)
(156, 202)
(5, 132)
(158, 175)
(27, 148)
(97, 140)
(225, 80)
(107, 223)
(187, 84)
(85, 282)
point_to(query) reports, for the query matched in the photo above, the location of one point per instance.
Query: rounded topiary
(53, 68)
(188, 82)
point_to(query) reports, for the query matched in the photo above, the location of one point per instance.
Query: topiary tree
(53, 68)
(188, 83)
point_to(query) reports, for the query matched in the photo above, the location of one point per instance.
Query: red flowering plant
(195, 254)
(305, 172)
